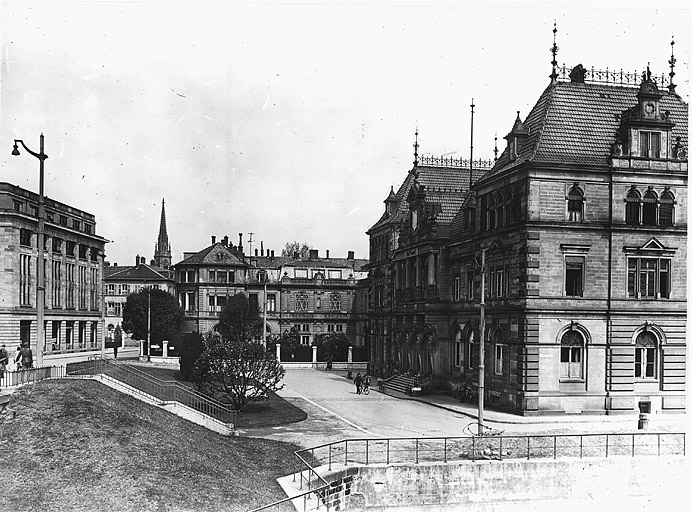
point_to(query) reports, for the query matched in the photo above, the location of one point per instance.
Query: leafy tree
(167, 317)
(237, 371)
(332, 346)
(292, 247)
(233, 365)
(240, 320)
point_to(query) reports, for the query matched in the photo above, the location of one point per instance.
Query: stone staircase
(400, 383)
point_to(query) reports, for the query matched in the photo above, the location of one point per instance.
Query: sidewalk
(503, 420)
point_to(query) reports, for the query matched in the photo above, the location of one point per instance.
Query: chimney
(152, 263)
(272, 256)
(137, 260)
(224, 241)
(327, 253)
(144, 260)
(115, 264)
(261, 247)
(240, 242)
(351, 255)
(256, 252)
(313, 254)
(213, 239)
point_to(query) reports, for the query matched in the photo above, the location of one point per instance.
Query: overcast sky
(287, 120)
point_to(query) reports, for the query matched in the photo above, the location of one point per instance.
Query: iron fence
(19, 377)
(445, 449)
(166, 391)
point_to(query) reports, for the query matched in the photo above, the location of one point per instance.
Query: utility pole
(264, 323)
(481, 349)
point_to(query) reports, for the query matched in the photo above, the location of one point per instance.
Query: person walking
(4, 360)
(27, 357)
(358, 381)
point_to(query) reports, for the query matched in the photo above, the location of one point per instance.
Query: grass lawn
(79, 445)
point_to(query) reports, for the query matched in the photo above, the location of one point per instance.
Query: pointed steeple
(162, 252)
(554, 49)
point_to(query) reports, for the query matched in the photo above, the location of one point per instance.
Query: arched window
(470, 342)
(632, 207)
(571, 355)
(645, 355)
(509, 208)
(575, 204)
(500, 211)
(491, 213)
(458, 350)
(499, 351)
(666, 214)
(649, 208)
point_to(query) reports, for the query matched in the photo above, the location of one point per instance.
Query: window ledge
(572, 381)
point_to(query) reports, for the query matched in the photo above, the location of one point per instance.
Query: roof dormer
(516, 138)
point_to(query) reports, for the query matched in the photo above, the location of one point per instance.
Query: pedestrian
(4, 360)
(115, 350)
(358, 382)
(18, 359)
(27, 357)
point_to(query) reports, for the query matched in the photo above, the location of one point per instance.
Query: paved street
(336, 412)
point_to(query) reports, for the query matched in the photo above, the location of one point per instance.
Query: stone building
(582, 226)
(315, 294)
(73, 313)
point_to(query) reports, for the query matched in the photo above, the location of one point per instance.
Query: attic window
(650, 144)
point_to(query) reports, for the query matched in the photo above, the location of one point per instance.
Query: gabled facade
(408, 284)
(582, 225)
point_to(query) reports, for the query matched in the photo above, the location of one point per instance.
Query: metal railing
(166, 391)
(19, 377)
(323, 495)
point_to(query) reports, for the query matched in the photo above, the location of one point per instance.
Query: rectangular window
(25, 237)
(570, 362)
(212, 303)
(190, 276)
(82, 334)
(301, 273)
(69, 282)
(574, 276)
(458, 351)
(57, 245)
(469, 353)
(56, 284)
(221, 276)
(93, 333)
(212, 276)
(55, 335)
(305, 327)
(648, 278)
(305, 340)
(271, 302)
(110, 289)
(645, 362)
(334, 274)
(87, 228)
(76, 225)
(253, 298)
(25, 332)
(469, 284)
(63, 220)
(457, 288)
(500, 351)
(69, 334)
(500, 283)
(25, 280)
(82, 252)
(650, 144)
(330, 327)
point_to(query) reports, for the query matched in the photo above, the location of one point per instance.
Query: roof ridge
(548, 94)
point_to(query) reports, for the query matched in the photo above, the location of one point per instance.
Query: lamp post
(264, 309)
(40, 271)
(149, 325)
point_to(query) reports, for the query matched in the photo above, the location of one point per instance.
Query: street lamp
(40, 284)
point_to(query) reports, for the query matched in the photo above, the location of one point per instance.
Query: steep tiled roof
(281, 261)
(576, 124)
(444, 185)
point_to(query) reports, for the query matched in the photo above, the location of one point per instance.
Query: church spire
(162, 252)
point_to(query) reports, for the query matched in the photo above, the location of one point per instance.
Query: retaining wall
(487, 485)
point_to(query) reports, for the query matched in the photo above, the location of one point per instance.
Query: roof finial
(671, 85)
(648, 72)
(495, 150)
(415, 149)
(553, 50)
